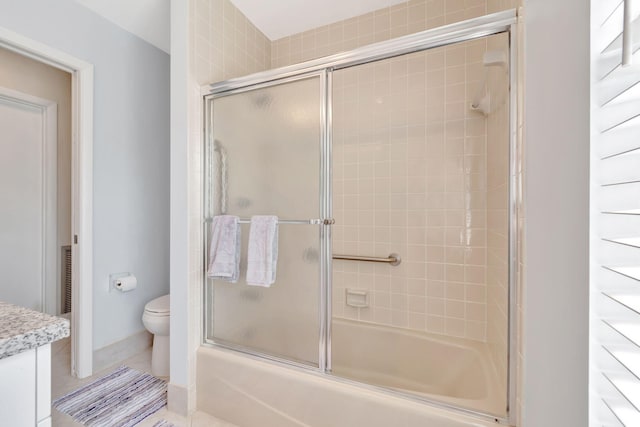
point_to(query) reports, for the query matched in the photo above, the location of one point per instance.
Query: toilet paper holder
(116, 281)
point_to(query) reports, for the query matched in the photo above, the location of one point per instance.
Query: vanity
(25, 364)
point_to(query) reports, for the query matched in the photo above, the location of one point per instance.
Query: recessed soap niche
(357, 298)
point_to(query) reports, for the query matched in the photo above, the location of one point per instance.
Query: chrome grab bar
(393, 259)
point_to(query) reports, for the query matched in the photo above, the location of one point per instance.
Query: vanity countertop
(22, 329)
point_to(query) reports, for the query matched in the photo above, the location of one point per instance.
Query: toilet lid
(158, 305)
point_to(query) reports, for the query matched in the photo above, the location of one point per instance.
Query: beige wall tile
(415, 171)
(428, 187)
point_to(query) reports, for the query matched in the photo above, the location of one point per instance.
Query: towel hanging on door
(262, 255)
(224, 251)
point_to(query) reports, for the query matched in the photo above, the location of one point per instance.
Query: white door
(27, 201)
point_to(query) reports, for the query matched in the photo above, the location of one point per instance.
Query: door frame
(81, 189)
(48, 111)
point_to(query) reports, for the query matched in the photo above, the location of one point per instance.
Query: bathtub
(451, 370)
(249, 391)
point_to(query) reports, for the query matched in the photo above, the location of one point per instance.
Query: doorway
(80, 166)
(35, 180)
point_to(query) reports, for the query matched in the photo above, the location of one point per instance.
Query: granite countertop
(22, 329)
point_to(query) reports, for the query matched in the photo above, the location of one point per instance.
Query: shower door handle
(328, 221)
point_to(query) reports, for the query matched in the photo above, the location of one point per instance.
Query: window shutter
(615, 206)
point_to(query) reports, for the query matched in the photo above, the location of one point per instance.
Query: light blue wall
(131, 153)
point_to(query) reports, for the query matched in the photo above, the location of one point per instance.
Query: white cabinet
(25, 388)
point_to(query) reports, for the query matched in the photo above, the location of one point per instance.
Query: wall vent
(66, 280)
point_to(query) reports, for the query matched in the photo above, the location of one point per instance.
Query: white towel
(262, 255)
(224, 251)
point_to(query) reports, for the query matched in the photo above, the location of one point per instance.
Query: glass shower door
(420, 173)
(263, 157)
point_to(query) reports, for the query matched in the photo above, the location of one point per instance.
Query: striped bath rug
(164, 423)
(121, 399)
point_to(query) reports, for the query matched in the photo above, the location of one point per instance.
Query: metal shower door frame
(322, 223)
(496, 23)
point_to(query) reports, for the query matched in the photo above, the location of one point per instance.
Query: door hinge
(75, 239)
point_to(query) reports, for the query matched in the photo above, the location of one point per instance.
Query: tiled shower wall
(452, 311)
(498, 208)
(410, 177)
(219, 36)
(384, 24)
(224, 44)
(453, 307)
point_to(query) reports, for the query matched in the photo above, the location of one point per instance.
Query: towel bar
(313, 221)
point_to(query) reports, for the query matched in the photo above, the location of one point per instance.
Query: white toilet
(156, 319)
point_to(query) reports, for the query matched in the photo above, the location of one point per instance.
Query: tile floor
(62, 382)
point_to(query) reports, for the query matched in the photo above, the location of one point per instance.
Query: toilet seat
(158, 307)
(150, 314)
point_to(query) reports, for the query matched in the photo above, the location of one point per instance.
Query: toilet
(156, 319)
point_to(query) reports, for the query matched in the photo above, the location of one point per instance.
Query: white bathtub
(452, 370)
(249, 392)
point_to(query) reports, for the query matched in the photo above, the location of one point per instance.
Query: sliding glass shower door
(410, 288)
(264, 158)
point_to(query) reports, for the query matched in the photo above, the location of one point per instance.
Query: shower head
(492, 58)
(483, 105)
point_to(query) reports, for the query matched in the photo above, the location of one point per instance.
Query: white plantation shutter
(615, 200)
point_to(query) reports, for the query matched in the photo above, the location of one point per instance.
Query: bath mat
(122, 398)
(164, 423)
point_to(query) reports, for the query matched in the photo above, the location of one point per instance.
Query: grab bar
(224, 175)
(393, 259)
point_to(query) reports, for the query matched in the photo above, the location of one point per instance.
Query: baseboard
(121, 350)
(178, 400)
